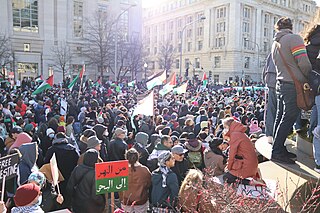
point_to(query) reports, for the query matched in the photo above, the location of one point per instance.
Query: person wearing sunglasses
(181, 165)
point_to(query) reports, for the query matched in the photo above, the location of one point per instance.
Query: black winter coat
(116, 150)
(144, 154)
(81, 187)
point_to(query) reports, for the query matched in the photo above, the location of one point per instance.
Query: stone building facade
(35, 27)
(230, 44)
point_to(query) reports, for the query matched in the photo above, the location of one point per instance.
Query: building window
(217, 61)
(189, 33)
(266, 18)
(27, 67)
(200, 45)
(25, 15)
(265, 32)
(265, 46)
(177, 63)
(77, 18)
(246, 27)
(246, 12)
(152, 63)
(216, 79)
(221, 12)
(189, 46)
(246, 43)
(221, 27)
(246, 62)
(197, 63)
(220, 42)
(186, 63)
(200, 31)
(170, 36)
(179, 35)
(155, 50)
(189, 19)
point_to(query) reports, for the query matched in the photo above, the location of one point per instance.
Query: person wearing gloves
(165, 187)
(28, 199)
(140, 145)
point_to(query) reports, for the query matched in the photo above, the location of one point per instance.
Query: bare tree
(98, 36)
(130, 57)
(166, 55)
(62, 57)
(6, 54)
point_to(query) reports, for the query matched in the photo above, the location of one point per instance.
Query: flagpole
(81, 77)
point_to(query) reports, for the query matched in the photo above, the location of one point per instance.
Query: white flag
(54, 169)
(181, 89)
(145, 106)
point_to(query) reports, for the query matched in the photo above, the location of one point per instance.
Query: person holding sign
(82, 188)
(135, 199)
(165, 187)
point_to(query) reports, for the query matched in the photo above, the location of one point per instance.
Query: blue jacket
(159, 194)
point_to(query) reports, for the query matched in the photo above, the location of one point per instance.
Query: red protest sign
(111, 176)
(112, 169)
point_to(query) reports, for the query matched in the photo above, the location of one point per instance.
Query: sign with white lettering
(111, 176)
(9, 166)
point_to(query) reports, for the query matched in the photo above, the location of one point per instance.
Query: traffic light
(210, 74)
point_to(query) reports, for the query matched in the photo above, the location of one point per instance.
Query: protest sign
(259, 192)
(111, 176)
(9, 166)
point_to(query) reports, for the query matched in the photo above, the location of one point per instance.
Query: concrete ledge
(290, 187)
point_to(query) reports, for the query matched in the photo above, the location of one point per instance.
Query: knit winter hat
(37, 177)
(28, 128)
(50, 131)
(26, 193)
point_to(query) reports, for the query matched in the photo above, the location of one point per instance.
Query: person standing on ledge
(294, 53)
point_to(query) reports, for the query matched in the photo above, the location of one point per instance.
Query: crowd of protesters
(168, 153)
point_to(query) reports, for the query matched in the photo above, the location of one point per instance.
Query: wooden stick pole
(3, 187)
(112, 202)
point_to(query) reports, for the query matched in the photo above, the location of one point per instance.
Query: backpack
(195, 159)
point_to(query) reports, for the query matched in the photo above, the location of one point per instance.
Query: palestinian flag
(166, 89)
(181, 89)
(204, 79)
(39, 79)
(156, 81)
(79, 76)
(98, 83)
(47, 84)
(171, 80)
(132, 83)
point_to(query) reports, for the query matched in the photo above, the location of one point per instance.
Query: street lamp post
(258, 47)
(116, 41)
(183, 29)
(145, 71)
